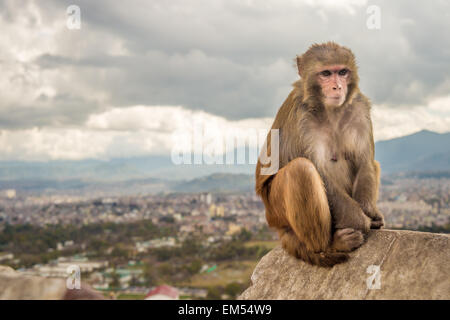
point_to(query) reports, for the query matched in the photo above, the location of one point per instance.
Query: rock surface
(413, 265)
(16, 286)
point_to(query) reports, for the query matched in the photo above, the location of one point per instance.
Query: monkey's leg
(298, 200)
(344, 240)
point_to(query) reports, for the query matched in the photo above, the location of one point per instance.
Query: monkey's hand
(376, 217)
(354, 218)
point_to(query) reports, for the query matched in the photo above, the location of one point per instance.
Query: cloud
(229, 60)
(135, 131)
(155, 130)
(395, 122)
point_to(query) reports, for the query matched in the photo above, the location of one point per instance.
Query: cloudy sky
(136, 72)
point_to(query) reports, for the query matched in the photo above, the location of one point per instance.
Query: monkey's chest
(328, 152)
(331, 160)
(334, 148)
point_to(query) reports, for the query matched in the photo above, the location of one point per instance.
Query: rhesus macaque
(322, 200)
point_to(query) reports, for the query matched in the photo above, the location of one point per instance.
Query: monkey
(322, 199)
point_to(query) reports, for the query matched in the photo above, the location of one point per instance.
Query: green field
(131, 296)
(225, 273)
(270, 244)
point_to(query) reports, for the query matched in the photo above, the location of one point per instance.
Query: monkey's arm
(365, 192)
(346, 212)
(366, 183)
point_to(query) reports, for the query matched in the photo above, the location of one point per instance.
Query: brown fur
(321, 208)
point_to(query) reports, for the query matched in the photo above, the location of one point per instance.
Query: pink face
(333, 81)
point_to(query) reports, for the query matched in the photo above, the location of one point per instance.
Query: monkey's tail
(324, 259)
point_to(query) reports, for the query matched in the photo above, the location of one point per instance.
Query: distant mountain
(218, 182)
(421, 152)
(119, 169)
(424, 151)
(90, 169)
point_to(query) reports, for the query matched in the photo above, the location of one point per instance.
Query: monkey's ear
(299, 65)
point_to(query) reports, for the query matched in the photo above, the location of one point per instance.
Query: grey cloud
(59, 111)
(234, 60)
(215, 84)
(252, 35)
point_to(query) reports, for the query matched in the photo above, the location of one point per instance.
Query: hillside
(422, 152)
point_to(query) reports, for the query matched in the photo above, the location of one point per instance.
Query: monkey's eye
(343, 72)
(326, 73)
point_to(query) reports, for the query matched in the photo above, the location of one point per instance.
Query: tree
(233, 289)
(115, 283)
(149, 275)
(243, 235)
(214, 293)
(194, 267)
(191, 246)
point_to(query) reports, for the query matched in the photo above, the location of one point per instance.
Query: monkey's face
(333, 81)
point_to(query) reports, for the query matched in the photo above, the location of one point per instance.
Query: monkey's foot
(376, 224)
(347, 240)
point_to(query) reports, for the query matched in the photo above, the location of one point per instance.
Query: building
(6, 256)
(156, 243)
(206, 198)
(163, 292)
(233, 229)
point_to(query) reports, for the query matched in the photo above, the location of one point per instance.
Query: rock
(413, 265)
(16, 286)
